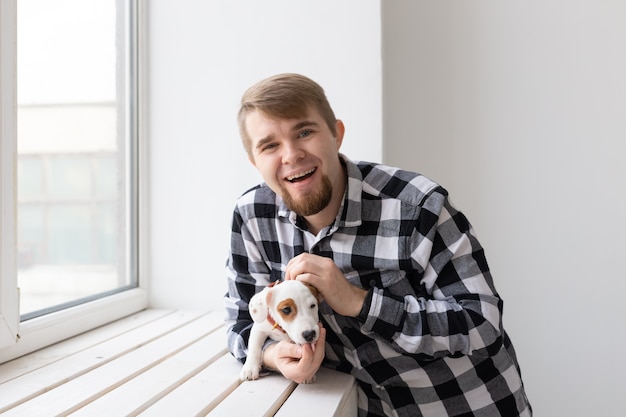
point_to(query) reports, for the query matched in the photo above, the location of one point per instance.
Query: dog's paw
(250, 371)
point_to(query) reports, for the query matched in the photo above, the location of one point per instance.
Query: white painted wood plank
(80, 391)
(350, 404)
(139, 393)
(44, 379)
(28, 363)
(158, 364)
(333, 394)
(259, 398)
(200, 394)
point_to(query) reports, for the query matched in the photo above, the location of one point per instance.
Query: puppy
(288, 311)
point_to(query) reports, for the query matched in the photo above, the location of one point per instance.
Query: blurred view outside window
(74, 141)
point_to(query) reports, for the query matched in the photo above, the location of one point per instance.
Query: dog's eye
(313, 305)
(286, 310)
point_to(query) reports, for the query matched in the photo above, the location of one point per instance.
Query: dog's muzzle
(309, 335)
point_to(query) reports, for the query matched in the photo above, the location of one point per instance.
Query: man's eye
(286, 311)
(269, 148)
(305, 133)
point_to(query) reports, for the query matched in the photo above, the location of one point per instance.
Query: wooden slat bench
(160, 363)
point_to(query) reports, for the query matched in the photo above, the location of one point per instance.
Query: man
(409, 307)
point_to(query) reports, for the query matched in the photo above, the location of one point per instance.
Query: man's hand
(321, 272)
(298, 363)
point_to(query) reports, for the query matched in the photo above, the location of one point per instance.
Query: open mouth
(301, 176)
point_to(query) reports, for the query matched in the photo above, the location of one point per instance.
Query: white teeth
(300, 175)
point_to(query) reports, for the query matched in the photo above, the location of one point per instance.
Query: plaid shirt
(429, 340)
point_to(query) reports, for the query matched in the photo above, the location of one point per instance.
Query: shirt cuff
(382, 313)
(367, 302)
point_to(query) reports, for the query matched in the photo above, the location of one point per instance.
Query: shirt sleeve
(246, 274)
(455, 309)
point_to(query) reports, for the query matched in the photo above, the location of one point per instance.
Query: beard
(312, 203)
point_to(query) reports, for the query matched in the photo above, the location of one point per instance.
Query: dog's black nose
(309, 335)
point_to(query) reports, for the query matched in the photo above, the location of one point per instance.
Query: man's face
(297, 158)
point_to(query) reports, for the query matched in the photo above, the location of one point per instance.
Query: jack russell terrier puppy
(288, 311)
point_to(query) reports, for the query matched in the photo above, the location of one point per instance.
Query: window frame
(9, 298)
(19, 338)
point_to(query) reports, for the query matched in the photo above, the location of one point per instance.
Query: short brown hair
(286, 96)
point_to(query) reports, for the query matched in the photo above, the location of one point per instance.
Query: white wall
(519, 109)
(203, 55)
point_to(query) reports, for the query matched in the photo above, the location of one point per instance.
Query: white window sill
(51, 328)
(160, 363)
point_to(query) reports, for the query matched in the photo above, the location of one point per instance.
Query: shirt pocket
(375, 278)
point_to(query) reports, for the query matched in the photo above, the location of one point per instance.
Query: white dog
(288, 311)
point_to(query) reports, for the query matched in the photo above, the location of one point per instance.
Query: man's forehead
(265, 124)
(293, 118)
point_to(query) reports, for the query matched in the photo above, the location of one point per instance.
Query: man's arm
(456, 309)
(245, 277)
(247, 274)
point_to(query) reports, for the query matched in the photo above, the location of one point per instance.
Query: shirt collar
(350, 210)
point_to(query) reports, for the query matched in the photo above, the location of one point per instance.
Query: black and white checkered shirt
(429, 340)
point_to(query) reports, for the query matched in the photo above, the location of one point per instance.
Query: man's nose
(292, 153)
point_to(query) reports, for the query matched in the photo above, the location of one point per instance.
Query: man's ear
(340, 130)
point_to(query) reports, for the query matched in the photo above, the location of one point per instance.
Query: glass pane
(106, 177)
(30, 229)
(106, 229)
(69, 178)
(73, 152)
(30, 178)
(69, 235)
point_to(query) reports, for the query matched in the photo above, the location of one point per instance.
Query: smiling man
(299, 159)
(410, 308)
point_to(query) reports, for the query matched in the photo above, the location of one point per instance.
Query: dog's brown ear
(314, 291)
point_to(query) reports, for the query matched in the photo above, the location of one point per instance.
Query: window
(76, 153)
